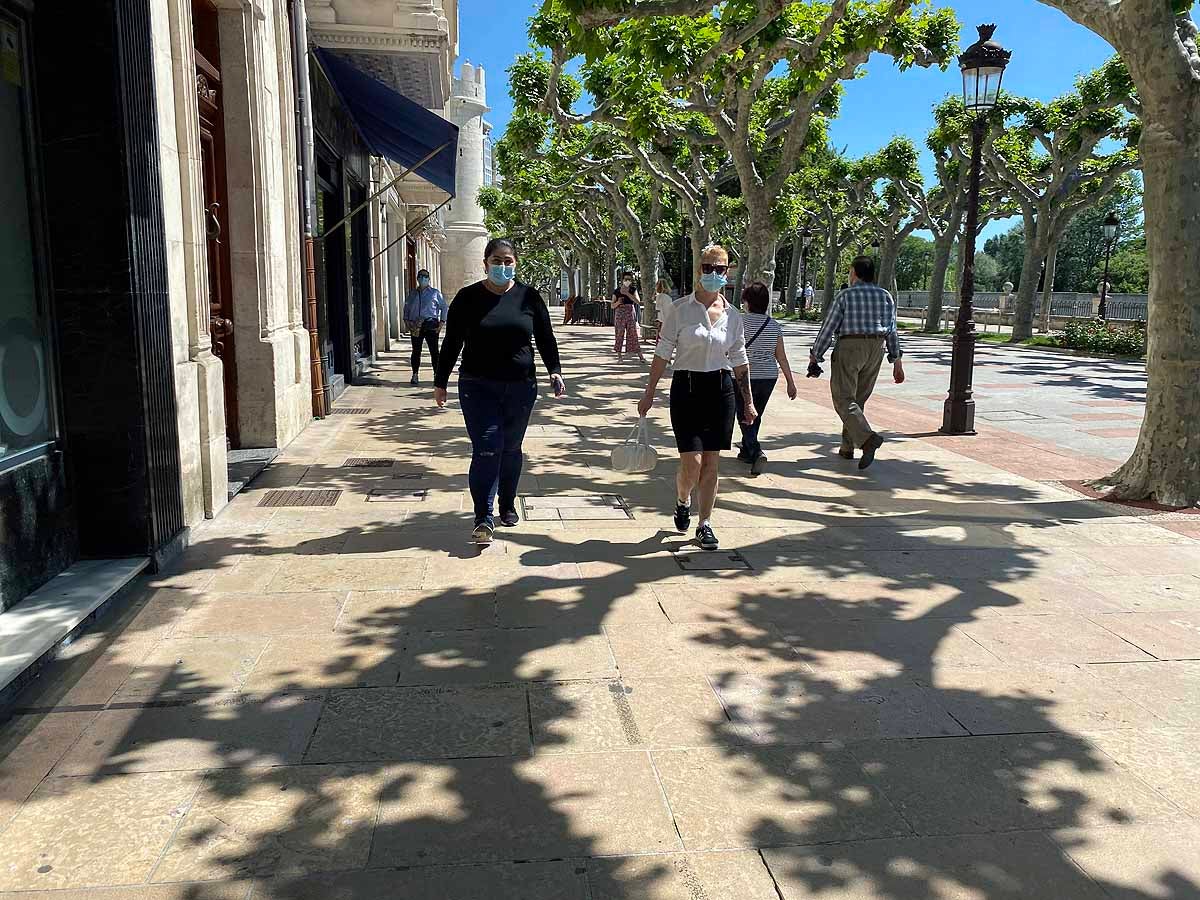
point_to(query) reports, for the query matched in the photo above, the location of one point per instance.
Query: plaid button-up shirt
(861, 309)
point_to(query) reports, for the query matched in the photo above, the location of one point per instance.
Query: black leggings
(428, 333)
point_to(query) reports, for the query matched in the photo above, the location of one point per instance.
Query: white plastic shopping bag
(636, 454)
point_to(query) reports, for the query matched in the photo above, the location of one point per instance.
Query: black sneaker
(874, 442)
(846, 454)
(706, 539)
(484, 529)
(759, 465)
(509, 519)
(414, 381)
(683, 517)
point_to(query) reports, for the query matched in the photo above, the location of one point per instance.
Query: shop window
(26, 404)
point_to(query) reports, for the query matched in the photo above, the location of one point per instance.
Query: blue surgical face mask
(501, 275)
(713, 281)
(423, 281)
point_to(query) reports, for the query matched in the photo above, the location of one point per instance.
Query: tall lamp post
(1111, 225)
(982, 67)
(806, 237)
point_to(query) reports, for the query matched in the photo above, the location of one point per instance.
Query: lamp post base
(958, 417)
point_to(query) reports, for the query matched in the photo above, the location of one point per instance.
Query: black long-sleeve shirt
(495, 334)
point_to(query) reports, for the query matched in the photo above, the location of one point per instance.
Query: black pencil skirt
(702, 410)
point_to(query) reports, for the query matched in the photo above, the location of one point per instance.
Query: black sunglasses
(709, 268)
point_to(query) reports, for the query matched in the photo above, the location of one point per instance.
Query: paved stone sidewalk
(1068, 411)
(938, 679)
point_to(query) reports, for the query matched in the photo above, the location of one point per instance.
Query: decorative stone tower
(466, 236)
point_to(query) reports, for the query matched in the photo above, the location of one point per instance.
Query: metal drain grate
(368, 462)
(696, 560)
(574, 507)
(350, 411)
(300, 498)
(396, 495)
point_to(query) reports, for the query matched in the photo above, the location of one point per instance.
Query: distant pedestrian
(705, 335)
(494, 323)
(568, 310)
(809, 296)
(625, 302)
(662, 302)
(767, 356)
(863, 321)
(424, 314)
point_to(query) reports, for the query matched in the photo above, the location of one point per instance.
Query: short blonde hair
(713, 249)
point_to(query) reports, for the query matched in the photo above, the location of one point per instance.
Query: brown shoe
(874, 442)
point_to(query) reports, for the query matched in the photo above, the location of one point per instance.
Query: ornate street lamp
(1111, 225)
(982, 67)
(806, 237)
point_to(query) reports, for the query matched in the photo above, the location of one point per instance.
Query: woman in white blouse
(707, 339)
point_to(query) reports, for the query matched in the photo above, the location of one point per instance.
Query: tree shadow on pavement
(588, 712)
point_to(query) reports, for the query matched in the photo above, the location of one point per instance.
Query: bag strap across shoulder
(761, 329)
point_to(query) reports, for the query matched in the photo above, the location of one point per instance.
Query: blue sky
(1049, 51)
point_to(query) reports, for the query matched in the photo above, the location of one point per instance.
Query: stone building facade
(153, 302)
(411, 46)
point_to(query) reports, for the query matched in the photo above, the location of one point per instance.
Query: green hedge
(1097, 336)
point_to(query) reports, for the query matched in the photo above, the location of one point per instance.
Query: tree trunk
(700, 237)
(889, 252)
(759, 262)
(1048, 286)
(1165, 465)
(937, 285)
(1030, 271)
(793, 285)
(831, 260)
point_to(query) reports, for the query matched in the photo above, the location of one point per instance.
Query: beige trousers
(856, 364)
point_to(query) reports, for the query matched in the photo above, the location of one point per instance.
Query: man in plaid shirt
(863, 321)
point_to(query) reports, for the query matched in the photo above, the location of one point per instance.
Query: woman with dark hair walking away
(625, 302)
(494, 324)
(706, 338)
(765, 350)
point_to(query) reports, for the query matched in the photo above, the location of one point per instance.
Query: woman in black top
(494, 324)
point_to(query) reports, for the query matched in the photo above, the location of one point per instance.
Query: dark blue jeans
(761, 390)
(497, 414)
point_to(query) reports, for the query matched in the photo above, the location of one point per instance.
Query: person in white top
(662, 302)
(707, 339)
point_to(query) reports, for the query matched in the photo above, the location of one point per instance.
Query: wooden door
(216, 204)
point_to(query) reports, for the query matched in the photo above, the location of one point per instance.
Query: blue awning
(392, 125)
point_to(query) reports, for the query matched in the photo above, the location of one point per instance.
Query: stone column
(466, 236)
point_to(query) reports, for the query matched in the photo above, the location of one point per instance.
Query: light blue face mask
(501, 275)
(713, 281)
(423, 281)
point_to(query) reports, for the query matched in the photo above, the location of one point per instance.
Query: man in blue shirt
(424, 314)
(863, 320)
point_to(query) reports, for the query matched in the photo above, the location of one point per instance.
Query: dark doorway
(358, 237)
(216, 203)
(332, 301)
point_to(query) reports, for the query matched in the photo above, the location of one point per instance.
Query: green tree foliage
(1080, 262)
(1008, 250)
(1056, 160)
(766, 76)
(914, 264)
